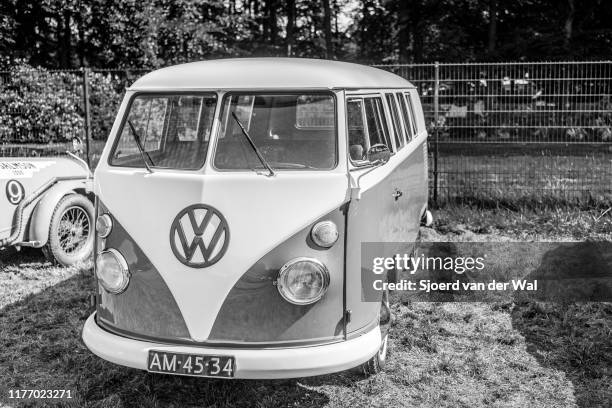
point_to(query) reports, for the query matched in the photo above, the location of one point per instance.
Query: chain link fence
(500, 133)
(505, 133)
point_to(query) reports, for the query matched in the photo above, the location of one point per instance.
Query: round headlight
(303, 281)
(324, 234)
(112, 271)
(104, 225)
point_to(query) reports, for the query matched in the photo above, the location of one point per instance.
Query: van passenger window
(408, 120)
(367, 126)
(356, 129)
(397, 124)
(377, 125)
(411, 111)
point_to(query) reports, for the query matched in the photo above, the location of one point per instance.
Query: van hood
(250, 215)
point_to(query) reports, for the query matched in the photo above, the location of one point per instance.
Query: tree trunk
(272, 23)
(64, 39)
(329, 44)
(362, 24)
(265, 19)
(569, 25)
(68, 38)
(81, 38)
(254, 6)
(404, 31)
(290, 26)
(418, 41)
(492, 26)
(335, 7)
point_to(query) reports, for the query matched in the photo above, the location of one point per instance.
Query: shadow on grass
(10, 256)
(41, 348)
(573, 337)
(487, 198)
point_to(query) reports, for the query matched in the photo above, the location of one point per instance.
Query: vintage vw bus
(232, 200)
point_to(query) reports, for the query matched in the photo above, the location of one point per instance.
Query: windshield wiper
(255, 149)
(283, 165)
(140, 148)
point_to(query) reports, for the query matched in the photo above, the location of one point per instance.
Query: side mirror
(378, 153)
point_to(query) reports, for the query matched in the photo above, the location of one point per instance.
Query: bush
(42, 106)
(105, 94)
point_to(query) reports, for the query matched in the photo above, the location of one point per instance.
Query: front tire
(377, 363)
(71, 231)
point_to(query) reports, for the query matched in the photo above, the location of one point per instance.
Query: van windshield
(292, 131)
(174, 131)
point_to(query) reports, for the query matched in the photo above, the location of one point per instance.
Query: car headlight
(303, 281)
(324, 234)
(104, 225)
(112, 271)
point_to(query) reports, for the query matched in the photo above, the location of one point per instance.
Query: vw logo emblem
(199, 236)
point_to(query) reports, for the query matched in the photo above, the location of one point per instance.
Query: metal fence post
(436, 132)
(87, 113)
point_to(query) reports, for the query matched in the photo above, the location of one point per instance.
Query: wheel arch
(40, 220)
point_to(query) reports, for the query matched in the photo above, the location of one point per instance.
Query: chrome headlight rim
(125, 271)
(286, 268)
(105, 218)
(320, 225)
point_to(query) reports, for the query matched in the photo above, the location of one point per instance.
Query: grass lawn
(525, 174)
(441, 354)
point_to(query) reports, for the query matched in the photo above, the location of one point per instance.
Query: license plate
(191, 364)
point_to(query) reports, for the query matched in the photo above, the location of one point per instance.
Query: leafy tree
(152, 33)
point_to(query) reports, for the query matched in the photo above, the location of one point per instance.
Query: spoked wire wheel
(71, 233)
(74, 229)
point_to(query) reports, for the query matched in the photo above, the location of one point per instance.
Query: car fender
(40, 220)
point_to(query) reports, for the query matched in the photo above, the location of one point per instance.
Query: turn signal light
(324, 234)
(104, 225)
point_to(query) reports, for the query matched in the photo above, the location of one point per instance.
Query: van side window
(406, 116)
(377, 124)
(356, 129)
(400, 136)
(418, 111)
(408, 99)
(367, 126)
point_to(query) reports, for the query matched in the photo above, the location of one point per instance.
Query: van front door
(375, 204)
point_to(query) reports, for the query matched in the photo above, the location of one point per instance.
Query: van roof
(269, 73)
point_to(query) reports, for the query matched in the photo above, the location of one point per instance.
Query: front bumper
(250, 363)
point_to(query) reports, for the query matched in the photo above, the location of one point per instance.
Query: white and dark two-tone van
(232, 200)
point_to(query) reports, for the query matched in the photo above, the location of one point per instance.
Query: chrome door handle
(397, 194)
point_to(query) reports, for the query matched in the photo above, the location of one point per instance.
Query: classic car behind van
(47, 203)
(232, 200)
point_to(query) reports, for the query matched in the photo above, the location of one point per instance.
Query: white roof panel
(269, 73)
